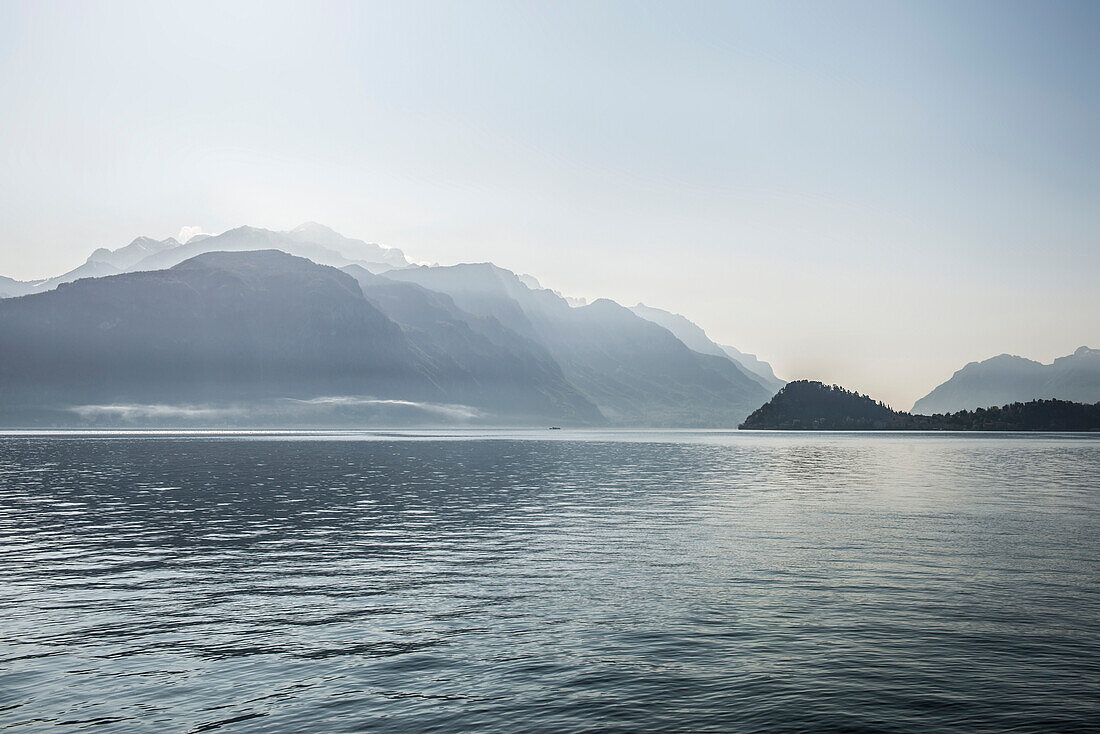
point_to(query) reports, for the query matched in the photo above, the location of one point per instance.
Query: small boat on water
(555, 428)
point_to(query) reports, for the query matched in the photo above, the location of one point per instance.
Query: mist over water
(522, 581)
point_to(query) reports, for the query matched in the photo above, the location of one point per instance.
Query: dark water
(658, 582)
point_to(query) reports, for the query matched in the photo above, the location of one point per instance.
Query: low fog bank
(334, 411)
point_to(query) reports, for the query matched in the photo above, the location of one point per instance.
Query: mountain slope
(690, 333)
(643, 374)
(91, 269)
(126, 257)
(1007, 379)
(219, 326)
(482, 289)
(635, 371)
(10, 287)
(693, 336)
(263, 337)
(102, 262)
(756, 366)
(1075, 377)
(480, 361)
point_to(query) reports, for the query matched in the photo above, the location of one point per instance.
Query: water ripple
(501, 582)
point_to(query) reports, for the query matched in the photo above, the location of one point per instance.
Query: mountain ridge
(584, 362)
(314, 241)
(635, 371)
(265, 333)
(693, 335)
(1009, 378)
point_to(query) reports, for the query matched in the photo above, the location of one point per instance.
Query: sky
(871, 194)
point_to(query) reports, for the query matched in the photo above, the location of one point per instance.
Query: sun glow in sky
(871, 194)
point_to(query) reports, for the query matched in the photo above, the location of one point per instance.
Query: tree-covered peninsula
(807, 405)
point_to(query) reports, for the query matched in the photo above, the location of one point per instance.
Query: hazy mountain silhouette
(1007, 379)
(310, 240)
(244, 329)
(635, 371)
(91, 269)
(296, 242)
(482, 289)
(693, 336)
(10, 287)
(355, 250)
(478, 360)
(470, 335)
(756, 366)
(126, 257)
(219, 326)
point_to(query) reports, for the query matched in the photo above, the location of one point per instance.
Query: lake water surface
(549, 581)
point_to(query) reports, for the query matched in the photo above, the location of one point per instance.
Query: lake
(510, 581)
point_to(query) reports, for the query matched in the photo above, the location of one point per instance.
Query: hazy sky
(870, 193)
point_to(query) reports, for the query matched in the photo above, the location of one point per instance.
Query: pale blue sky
(866, 193)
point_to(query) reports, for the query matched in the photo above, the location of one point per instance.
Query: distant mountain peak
(351, 248)
(315, 227)
(530, 281)
(144, 241)
(312, 240)
(107, 262)
(1010, 378)
(247, 229)
(1007, 358)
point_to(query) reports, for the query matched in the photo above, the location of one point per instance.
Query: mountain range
(307, 327)
(1009, 379)
(636, 371)
(313, 241)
